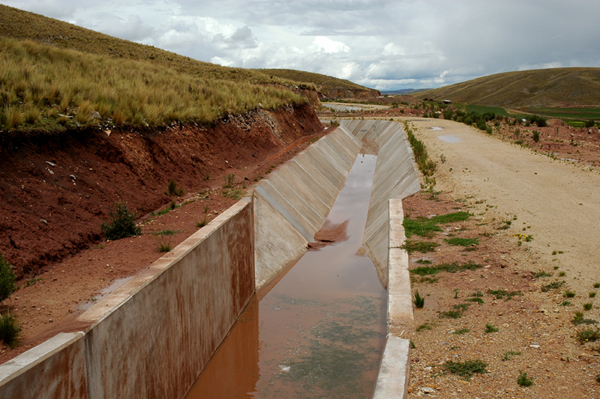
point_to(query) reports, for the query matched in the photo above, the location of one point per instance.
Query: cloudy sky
(376, 43)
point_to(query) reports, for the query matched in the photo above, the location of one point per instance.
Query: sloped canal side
(316, 331)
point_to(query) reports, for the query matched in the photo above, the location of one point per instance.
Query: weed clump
(419, 301)
(523, 380)
(423, 246)
(173, 190)
(464, 242)
(9, 330)
(489, 328)
(579, 319)
(588, 335)
(121, 224)
(425, 227)
(505, 294)
(445, 267)
(466, 369)
(7, 278)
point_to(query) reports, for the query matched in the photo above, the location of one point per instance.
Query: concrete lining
(395, 177)
(293, 204)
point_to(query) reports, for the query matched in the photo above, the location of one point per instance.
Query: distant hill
(558, 87)
(329, 86)
(402, 92)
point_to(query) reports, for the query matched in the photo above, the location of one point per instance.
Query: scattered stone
(427, 390)
(535, 345)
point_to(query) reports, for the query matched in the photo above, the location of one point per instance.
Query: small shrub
(173, 190)
(587, 306)
(423, 327)
(569, 294)
(565, 303)
(489, 328)
(418, 300)
(541, 273)
(334, 123)
(588, 335)
(121, 225)
(523, 380)
(592, 294)
(596, 285)
(164, 247)
(589, 123)
(466, 369)
(229, 180)
(9, 330)
(476, 300)
(202, 223)
(7, 278)
(536, 136)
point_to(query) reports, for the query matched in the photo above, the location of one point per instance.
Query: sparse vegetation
(426, 227)
(419, 246)
(445, 267)
(418, 300)
(569, 294)
(173, 190)
(541, 273)
(450, 314)
(229, 180)
(121, 224)
(202, 223)
(509, 354)
(523, 380)
(7, 278)
(552, 286)
(10, 331)
(579, 319)
(462, 331)
(507, 295)
(466, 369)
(489, 328)
(424, 327)
(588, 306)
(588, 335)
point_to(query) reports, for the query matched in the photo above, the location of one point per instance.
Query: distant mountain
(402, 92)
(558, 87)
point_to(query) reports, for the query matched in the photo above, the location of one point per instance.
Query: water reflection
(319, 329)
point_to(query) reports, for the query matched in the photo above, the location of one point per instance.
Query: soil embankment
(56, 191)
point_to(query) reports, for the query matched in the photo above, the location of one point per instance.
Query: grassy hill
(559, 87)
(55, 76)
(329, 86)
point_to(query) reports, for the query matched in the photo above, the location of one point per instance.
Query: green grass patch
(424, 327)
(482, 109)
(541, 273)
(466, 369)
(418, 300)
(489, 328)
(568, 113)
(579, 319)
(165, 233)
(476, 300)
(445, 267)
(426, 227)
(419, 246)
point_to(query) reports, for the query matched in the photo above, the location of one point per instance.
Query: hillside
(560, 87)
(328, 86)
(56, 76)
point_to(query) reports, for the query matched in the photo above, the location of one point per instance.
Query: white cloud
(378, 43)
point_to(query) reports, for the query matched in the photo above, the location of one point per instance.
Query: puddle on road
(318, 330)
(448, 138)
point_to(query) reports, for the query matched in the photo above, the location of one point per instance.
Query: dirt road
(559, 201)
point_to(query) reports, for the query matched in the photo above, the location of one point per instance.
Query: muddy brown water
(318, 329)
